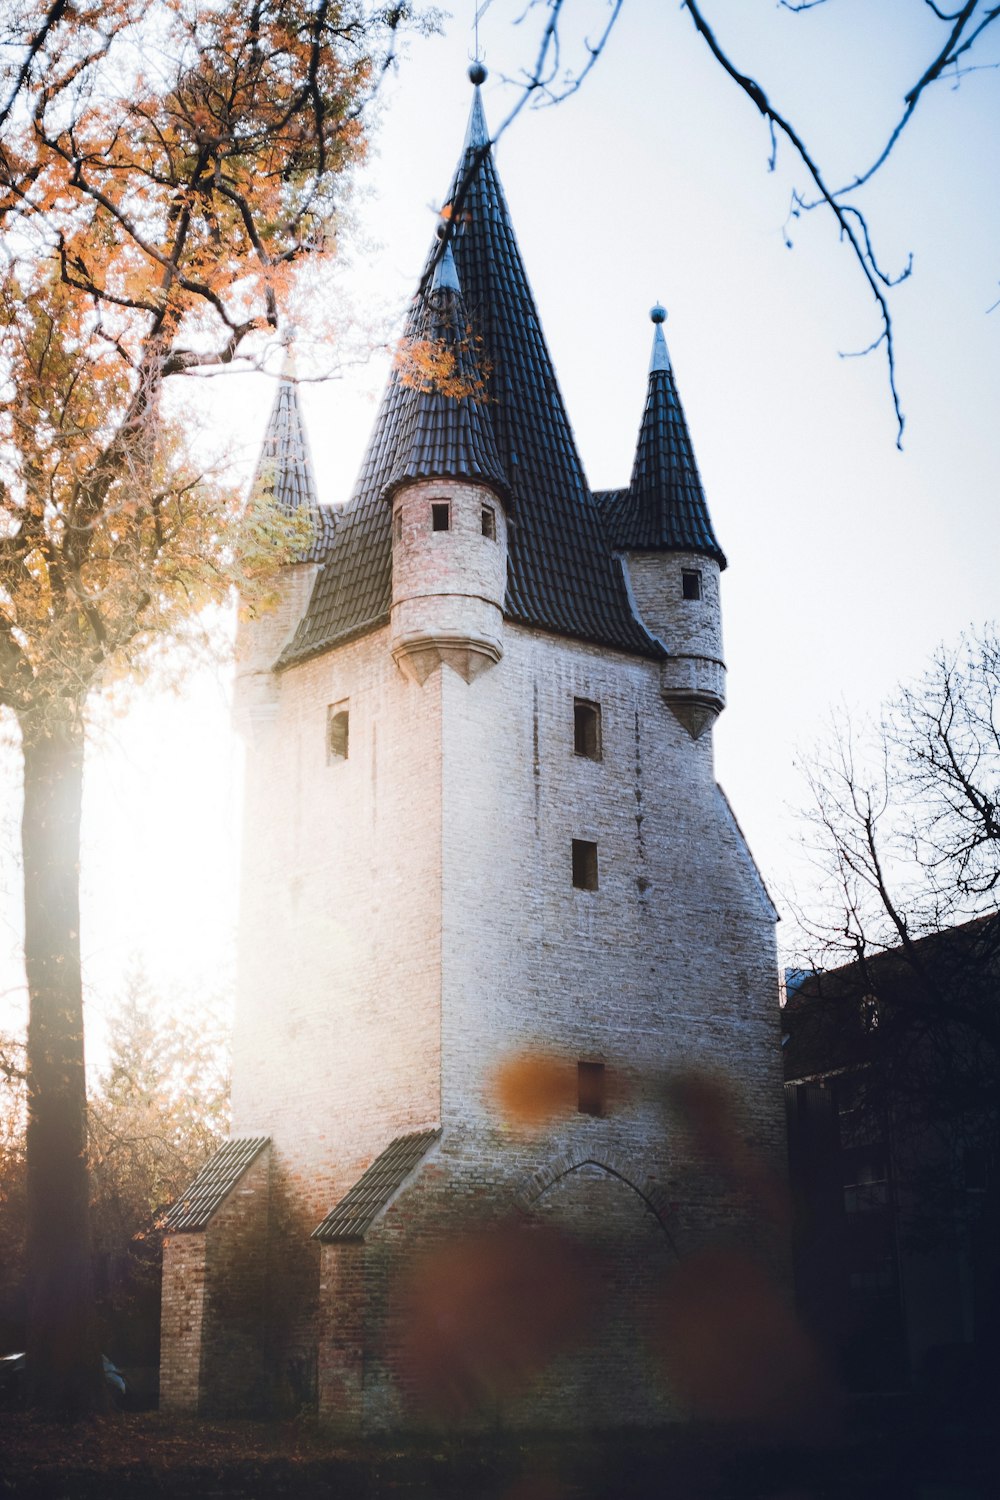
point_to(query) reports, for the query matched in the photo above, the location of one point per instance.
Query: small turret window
(397, 523)
(337, 732)
(489, 523)
(586, 729)
(440, 516)
(691, 583)
(584, 865)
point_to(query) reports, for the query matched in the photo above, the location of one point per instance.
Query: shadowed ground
(885, 1453)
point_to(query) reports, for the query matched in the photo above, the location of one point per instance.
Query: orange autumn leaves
(165, 168)
(177, 159)
(452, 366)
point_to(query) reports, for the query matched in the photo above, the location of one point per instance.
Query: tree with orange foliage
(166, 167)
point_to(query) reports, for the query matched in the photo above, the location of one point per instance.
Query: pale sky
(848, 561)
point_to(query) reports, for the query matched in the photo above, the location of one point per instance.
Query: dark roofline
(375, 1189)
(213, 1184)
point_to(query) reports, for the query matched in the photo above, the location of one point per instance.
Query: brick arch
(559, 1167)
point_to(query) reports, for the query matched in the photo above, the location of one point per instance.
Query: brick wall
(215, 1357)
(182, 1322)
(409, 924)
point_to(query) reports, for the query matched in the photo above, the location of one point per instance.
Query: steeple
(444, 428)
(284, 467)
(562, 576)
(476, 133)
(664, 507)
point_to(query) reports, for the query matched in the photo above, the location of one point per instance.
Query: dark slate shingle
(441, 434)
(355, 1212)
(664, 507)
(213, 1184)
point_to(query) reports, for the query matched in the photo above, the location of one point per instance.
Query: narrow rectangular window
(584, 865)
(489, 523)
(587, 728)
(691, 583)
(397, 523)
(440, 516)
(590, 1088)
(337, 732)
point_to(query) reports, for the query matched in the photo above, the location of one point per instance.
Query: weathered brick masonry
(482, 825)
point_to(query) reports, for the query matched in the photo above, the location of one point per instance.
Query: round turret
(449, 577)
(662, 530)
(678, 596)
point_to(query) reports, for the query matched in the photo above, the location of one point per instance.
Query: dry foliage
(164, 171)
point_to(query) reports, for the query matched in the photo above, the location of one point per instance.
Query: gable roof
(213, 1184)
(356, 1212)
(664, 508)
(562, 574)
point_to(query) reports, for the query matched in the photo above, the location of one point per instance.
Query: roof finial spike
(661, 357)
(477, 133)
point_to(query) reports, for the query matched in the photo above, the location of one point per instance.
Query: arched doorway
(610, 1376)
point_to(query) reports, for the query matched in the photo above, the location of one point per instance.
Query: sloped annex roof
(356, 1212)
(213, 1184)
(562, 574)
(664, 508)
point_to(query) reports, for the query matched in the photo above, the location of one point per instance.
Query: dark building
(893, 1103)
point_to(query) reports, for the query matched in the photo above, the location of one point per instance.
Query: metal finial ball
(441, 230)
(658, 314)
(478, 73)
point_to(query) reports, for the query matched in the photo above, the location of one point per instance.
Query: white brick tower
(482, 834)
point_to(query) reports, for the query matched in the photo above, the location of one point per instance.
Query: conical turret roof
(444, 429)
(562, 574)
(284, 467)
(664, 507)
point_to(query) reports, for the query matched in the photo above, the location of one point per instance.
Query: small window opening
(489, 523)
(440, 516)
(691, 583)
(587, 728)
(584, 865)
(869, 1012)
(590, 1088)
(337, 732)
(397, 524)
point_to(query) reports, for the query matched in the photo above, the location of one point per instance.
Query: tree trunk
(64, 1366)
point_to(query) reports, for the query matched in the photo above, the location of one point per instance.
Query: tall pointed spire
(664, 508)
(284, 467)
(476, 133)
(444, 430)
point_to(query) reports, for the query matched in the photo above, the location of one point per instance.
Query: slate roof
(442, 434)
(562, 575)
(284, 469)
(356, 1212)
(664, 508)
(213, 1184)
